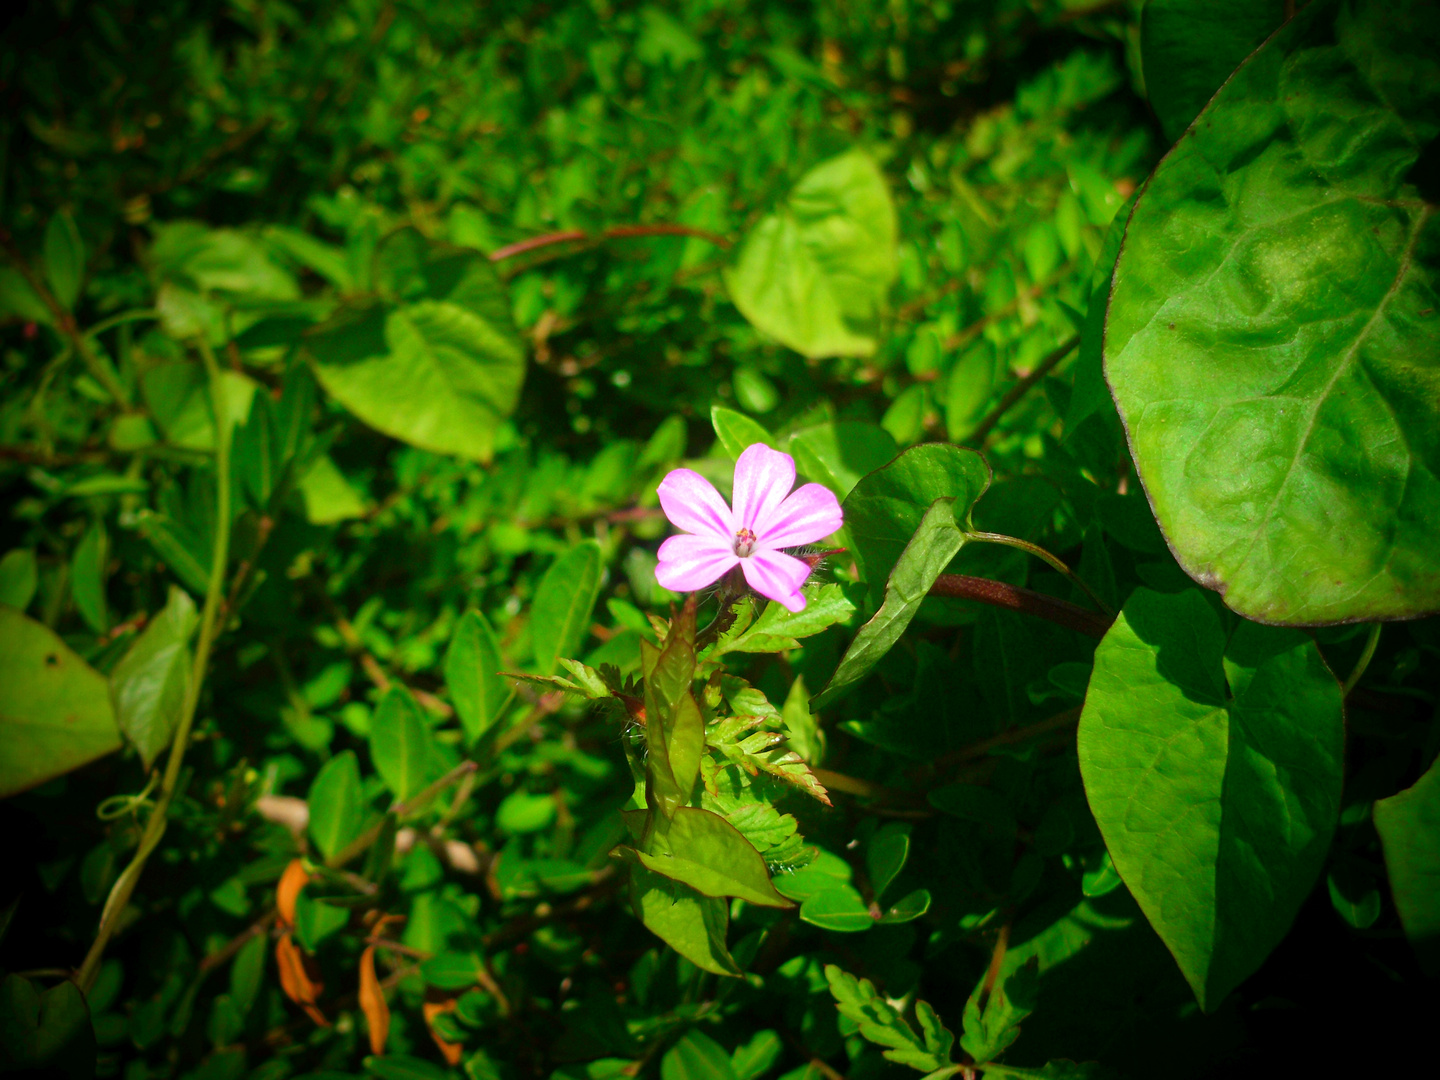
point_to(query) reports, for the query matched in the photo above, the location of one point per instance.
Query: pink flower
(768, 516)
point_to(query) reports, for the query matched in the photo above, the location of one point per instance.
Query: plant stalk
(1041, 553)
(1027, 601)
(209, 629)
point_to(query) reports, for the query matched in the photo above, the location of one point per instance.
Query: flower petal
(763, 477)
(692, 503)
(778, 576)
(688, 563)
(810, 513)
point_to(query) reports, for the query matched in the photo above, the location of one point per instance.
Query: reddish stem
(615, 232)
(1014, 598)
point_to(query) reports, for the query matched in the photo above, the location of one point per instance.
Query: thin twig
(1019, 390)
(1007, 738)
(615, 232)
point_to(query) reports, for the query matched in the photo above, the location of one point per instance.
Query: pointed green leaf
(564, 600)
(839, 908)
(401, 745)
(886, 854)
(87, 577)
(337, 807)
(736, 431)
(64, 259)
(152, 678)
(1273, 326)
(696, 1057)
(472, 674)
(1214, 771)
(55, 710)
(19, 577)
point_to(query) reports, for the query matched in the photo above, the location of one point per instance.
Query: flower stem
(1027, 601)
(209, 629)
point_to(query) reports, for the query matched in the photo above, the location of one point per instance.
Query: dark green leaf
(1409, 828)
(45, 1034)
(1272, 329)
(19, 577)
(1214, 770)
(696, 1057)
(1189, 47)
(64, 259)
(885, 856)
(691, 924)
(87, 577)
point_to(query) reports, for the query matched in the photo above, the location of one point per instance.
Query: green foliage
(345, 728)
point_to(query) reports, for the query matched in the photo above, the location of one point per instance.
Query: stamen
(744, 542)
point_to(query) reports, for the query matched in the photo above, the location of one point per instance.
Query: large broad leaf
(45, 1034)
(706, 852)
(438, 367)
(814, 274)
(691, 924)
(1213, 768)
(937, 540)
(151, 680)
(1273, 335)
(1189, 47)
(55, 710)
(1409, 828)
(560, 618)
(884, 509)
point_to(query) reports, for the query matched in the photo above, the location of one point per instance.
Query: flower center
(744, 542)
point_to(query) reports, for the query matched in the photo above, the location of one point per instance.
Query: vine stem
(209, 629)
(65, 323)
(1041, 553)
(1366, 655)
(1020, 389)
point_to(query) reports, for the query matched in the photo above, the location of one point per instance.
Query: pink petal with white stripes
(777, 576)
(810, 513)
(688, 563)
(692, 503)
(763, 477)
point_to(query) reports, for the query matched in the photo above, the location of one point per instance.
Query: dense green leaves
(45, 1032)
(1409, 828)
(814, 274)
(1272, 329)
(1213, 767)
(876, 1019)
(55, 710)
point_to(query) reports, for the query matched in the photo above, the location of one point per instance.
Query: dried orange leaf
(449, 1050)
(372, 1003)
(299, 978)
(292, 881)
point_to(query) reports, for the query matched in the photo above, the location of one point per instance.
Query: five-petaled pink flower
(768, 516)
